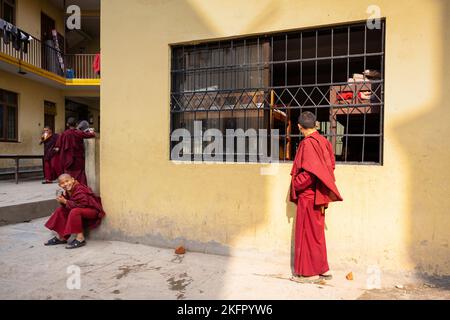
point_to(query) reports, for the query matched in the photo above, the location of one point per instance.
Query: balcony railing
(46, 57)
(82, 65)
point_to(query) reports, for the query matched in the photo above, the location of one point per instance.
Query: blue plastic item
(69, 74)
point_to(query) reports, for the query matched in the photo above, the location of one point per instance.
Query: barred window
(8, 10)
(266, 81)
(8, 116)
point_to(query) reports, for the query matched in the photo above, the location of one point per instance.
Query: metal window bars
(266, 81)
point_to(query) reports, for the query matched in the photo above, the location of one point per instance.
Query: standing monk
(51, 158)
(70, 146)
(80, 208)
(312, 189)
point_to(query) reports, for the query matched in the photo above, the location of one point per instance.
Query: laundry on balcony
(47, 53)
(96, 64)
(51, 60)
(19, 39)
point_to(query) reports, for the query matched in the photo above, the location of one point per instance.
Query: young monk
(51, 158)
(80, 207)
(312, 189)
(70, 146)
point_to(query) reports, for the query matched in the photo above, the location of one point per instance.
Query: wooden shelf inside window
(343, 99)
(351, 100)
(280, 117)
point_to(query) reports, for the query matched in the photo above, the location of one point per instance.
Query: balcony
(82, 65)
(46, 60)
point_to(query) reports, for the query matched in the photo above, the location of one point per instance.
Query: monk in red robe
(70, 146)
(80, 208)
(312, 189)
(51, 158)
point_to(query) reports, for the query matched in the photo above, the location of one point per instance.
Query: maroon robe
(312, 189)
(71, 153)
(83, 209)
(51, 159)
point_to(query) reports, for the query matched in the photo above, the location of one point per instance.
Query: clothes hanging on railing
(96, 64)
(19, 39)
(51, 59)
(58, 51)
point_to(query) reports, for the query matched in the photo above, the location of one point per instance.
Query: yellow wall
(395, 215)
(31, 116)
(28, 16)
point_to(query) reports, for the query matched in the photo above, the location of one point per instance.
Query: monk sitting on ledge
(80, 207)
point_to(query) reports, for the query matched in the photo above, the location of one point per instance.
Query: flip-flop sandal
(54, 241)
(76, 244)
(305, 280)
(326, 276)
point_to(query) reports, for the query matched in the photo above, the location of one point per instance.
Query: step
(26, 212)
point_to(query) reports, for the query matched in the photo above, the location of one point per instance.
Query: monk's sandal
(54, 241)
(300, 279)
(326, 276)
(76, 244)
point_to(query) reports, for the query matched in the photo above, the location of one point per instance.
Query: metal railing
(267, 81)
(45, 56)
(82, 65)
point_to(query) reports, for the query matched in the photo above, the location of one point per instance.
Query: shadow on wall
(424, 140)
(169, 228)
(428, 223)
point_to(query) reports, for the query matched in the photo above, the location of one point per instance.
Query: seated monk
(80, 207)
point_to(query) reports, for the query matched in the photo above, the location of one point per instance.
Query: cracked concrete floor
(119, 270)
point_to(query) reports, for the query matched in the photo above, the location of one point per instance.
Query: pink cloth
(97, 64)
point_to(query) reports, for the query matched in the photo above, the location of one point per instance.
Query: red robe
(52, 168)
(312, 187)
(71, 153)
(83, 209)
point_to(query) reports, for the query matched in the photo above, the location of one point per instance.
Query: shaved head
(65, 176)
(66, 182)
(71, 122)
(307, 120)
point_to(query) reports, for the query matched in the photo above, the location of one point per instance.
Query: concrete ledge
(26, 211)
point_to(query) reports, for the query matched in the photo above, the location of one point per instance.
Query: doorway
(51, 59)
(49, 114)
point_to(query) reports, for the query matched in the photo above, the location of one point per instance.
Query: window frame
(13, 5)
(5, 105)
(376, 150)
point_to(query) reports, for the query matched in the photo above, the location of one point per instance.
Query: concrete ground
(25, 192)
(119, 270)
